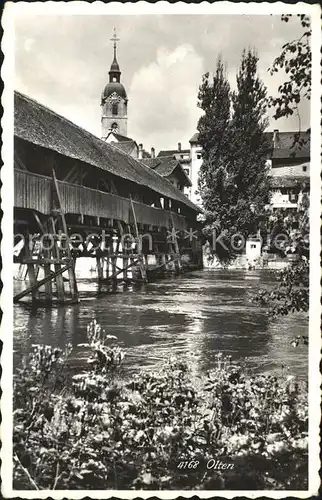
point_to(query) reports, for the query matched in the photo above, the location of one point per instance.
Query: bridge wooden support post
(177, 261)
(38, 284)
(125, 267)
(31, 269)
(22, 272)
(107, 267)
(164, 260)
(114, 252)
(47, 272)
(142, 264)
(99, 267)
(121, 247)
(106, 260)
(57, 265)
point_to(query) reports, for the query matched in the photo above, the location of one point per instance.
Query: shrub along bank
(160, 430)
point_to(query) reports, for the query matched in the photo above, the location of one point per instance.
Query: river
(193, 316)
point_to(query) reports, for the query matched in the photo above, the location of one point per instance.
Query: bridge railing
(33, 191)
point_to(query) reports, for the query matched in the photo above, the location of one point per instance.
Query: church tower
(114, 100)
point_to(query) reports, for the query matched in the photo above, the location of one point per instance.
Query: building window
(114, 127)
(114, 109)
(199, 156)
(252, 246)
(304, 168)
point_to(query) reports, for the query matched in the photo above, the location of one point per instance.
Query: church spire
(114, 100)
(114, 39)
(114, 72)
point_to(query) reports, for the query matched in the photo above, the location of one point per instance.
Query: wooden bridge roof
(40, 125)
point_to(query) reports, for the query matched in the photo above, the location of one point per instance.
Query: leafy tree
(249, 147)
(295, 60)
(214, 181)
(213, 126)
(233, 180)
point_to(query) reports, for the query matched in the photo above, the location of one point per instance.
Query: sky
(63, 62)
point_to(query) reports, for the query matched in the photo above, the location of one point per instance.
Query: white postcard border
(7, 73)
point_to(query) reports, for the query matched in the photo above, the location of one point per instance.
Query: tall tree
(214, 99)
(249, 146)
(233, 180)
(213, 127)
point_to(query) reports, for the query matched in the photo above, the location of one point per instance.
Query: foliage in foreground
(296, 60)
(292, 293)
(96, 432)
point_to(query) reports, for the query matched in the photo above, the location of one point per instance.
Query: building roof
(115, 68)
(112, 87)
(43, 127)
(291, 153)
(285, 146)
(288, 181)
(194, 138)
(119, 137)
(290, 144)
(165, 166)
(151, 162)
(171, 152)
(125, 146)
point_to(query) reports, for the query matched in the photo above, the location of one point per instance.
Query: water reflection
(193, 316)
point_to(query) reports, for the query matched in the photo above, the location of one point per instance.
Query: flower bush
(95, 430)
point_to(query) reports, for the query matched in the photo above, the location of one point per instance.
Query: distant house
(288, 191)
(288, 162)
(170, 168)
(123, 143)
(196, 162)
(289, 165)
(127, 145)
(288, 148)
(183, 156)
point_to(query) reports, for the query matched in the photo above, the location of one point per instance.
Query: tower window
(114, 109)
(114, 127)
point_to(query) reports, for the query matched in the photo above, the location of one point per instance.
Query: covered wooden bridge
(77, 196)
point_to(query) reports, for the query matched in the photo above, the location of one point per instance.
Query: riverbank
(271, 262)
(101, 432)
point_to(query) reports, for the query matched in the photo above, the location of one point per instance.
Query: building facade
(289, 169)
(186, 157)
(196, 162)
